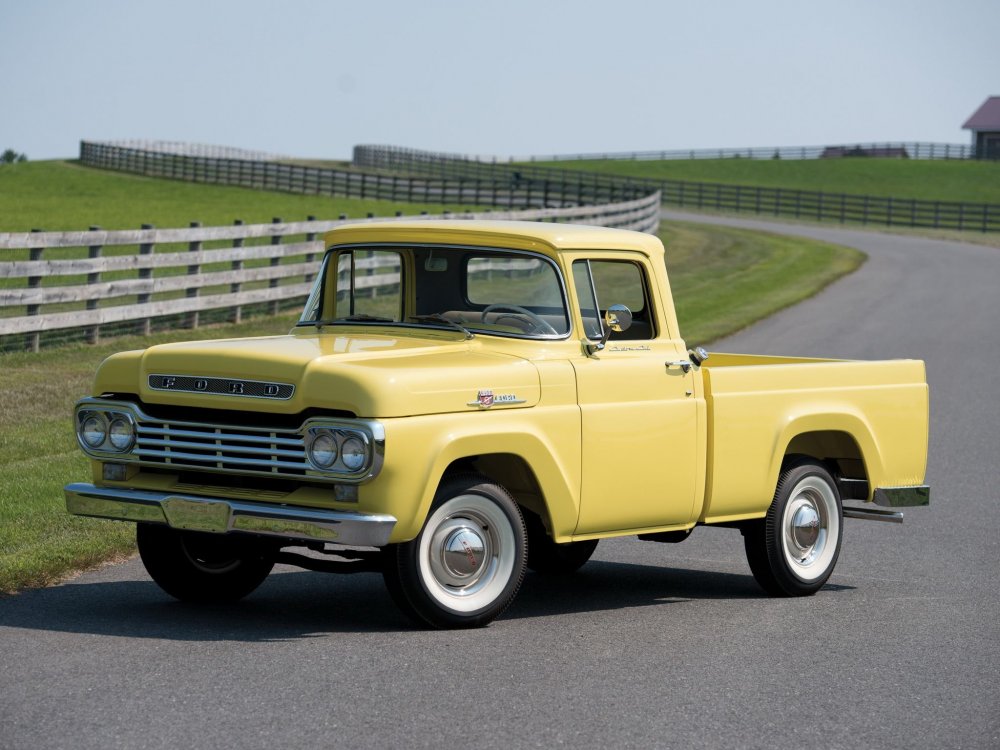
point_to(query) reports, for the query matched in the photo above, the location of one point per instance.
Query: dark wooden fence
(780, 202)
(482, 188)
(900, 149)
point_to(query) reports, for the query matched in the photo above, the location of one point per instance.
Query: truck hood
(368, 375)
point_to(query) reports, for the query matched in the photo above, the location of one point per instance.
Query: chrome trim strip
(174, 458)
(232, 435)
(873, 514)
(903, 497)
(225, 516)
(219, 447)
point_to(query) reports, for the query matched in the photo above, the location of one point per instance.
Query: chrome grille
(242, 450)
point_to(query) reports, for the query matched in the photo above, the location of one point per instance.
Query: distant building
(985, 127)
(882, 152)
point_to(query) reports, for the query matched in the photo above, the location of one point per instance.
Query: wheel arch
(843, 442)
(522, 463)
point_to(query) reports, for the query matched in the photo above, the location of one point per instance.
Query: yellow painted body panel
(599, 445)
(390, 373)
(757, 406)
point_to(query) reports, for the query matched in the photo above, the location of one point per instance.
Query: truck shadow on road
(298, 604)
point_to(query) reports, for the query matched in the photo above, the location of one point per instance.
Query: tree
(10, 156)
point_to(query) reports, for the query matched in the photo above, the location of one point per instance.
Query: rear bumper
(223, 516)
(902, 497)
(891, 497)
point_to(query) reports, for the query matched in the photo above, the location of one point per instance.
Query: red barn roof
(987, 117)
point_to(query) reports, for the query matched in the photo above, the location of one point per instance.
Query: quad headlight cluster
(104, 431)
(339, 450)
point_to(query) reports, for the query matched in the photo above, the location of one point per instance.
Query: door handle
(684, 364)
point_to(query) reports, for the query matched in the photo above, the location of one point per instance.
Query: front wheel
(466, 565)
(198, 567)
(793, 550)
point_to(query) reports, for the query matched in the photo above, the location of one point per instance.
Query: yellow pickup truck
(464, 400)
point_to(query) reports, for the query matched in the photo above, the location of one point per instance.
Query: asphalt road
(650, 645)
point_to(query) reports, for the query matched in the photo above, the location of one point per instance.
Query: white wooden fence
(94, 280)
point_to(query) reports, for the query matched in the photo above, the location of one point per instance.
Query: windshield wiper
(359, 318)
(439, 318)
(365, 318)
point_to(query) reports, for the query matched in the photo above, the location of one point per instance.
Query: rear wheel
(466, 565)
(793, 550)
(198, 567)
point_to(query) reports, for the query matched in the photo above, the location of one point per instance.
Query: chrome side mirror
(618, 318)
(698, 355)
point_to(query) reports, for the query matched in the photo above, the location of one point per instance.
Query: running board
(874, 514)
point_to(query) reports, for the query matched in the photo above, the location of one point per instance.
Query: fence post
(234, 288)
(193, 270)
(311, 237)
(94, 251)
(276, 261)
(145, 248)
(33, 341)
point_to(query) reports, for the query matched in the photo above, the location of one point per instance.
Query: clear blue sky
(312, 78)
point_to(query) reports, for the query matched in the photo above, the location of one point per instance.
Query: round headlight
(353, 453)
(120, 434)
(93, 431)
(323, 451)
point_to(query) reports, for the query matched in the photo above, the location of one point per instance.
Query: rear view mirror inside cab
(436, 265)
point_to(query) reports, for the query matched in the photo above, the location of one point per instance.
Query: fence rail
(897, 149)
(484, 188)
(781, 202)
(130, 281)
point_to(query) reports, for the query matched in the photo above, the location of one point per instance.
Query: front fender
(419, 450)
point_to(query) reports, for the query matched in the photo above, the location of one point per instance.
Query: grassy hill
(963, 181)
(63, 195)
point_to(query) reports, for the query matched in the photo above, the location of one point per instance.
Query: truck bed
(868, 418)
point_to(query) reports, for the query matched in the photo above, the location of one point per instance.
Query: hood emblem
(485, 398)
(222, 386)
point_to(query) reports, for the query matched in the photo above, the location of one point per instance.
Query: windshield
(472, 290)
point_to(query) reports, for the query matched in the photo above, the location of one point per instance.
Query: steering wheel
(536, 322)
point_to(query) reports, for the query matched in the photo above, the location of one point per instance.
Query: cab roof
(521, 235)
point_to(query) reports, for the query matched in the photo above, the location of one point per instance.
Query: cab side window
(602, 283)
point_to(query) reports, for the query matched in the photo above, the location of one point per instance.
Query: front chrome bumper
(222, 515)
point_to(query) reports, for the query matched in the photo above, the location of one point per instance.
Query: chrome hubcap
(463, 552)
(805, 527)
(460, 552)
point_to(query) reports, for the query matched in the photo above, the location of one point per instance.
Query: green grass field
(723, 279)
(963, 181)
(61, 195)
